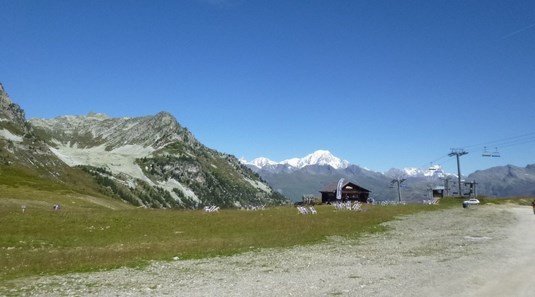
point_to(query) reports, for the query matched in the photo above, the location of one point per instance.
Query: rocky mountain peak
(262, 162)
(166, 121)
(97, 116)
(10, 111)
(323, 157)
(96, 129)
(4, 97)
(165, 116)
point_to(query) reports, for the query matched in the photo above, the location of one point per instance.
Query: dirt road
(514, 275)
(480, 251)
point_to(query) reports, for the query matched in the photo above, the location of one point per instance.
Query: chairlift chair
(486, 152)
(496, 153)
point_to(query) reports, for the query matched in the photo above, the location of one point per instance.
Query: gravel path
(480, 251)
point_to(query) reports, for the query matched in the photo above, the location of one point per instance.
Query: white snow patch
(10, 136)
(131, 184)
(4, 120)
(171, 183)
(119, 160)
(294, 162)
(258, 185)
(169, 190)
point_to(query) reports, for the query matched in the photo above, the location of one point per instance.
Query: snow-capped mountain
(298, 176)
(324, 157)
(432, 171)
(259, 162)
(319, 157)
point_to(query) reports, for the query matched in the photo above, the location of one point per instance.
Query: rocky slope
(153, 161)
(19, 145)
(147, 161)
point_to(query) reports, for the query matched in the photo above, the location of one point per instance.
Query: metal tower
(398, 181)
(457, 152)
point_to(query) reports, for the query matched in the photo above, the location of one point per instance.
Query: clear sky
(380, 83)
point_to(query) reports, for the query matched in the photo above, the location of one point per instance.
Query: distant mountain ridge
(308, 175)
(503, 181)
(325, 157)
(432, 171)
(311, 175)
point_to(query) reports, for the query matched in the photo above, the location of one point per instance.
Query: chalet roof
(331, 187)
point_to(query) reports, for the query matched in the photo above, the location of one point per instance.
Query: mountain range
(308, 175)
(506, 180)
(325, 157)
(153, 161)
(149, 161)
(320, 157)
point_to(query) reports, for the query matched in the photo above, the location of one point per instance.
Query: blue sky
(379, 83)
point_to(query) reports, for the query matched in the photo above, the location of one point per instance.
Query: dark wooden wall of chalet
(331, 197)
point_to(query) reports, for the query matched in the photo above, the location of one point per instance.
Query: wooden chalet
(350, 192)
(438, 192)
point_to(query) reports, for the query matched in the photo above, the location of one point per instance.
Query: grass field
(78, 238)
(84, 236)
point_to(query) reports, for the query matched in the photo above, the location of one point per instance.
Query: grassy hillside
(22, 186)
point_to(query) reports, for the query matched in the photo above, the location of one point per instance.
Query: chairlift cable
(518, 143)
(514, 142)
(497, 142)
